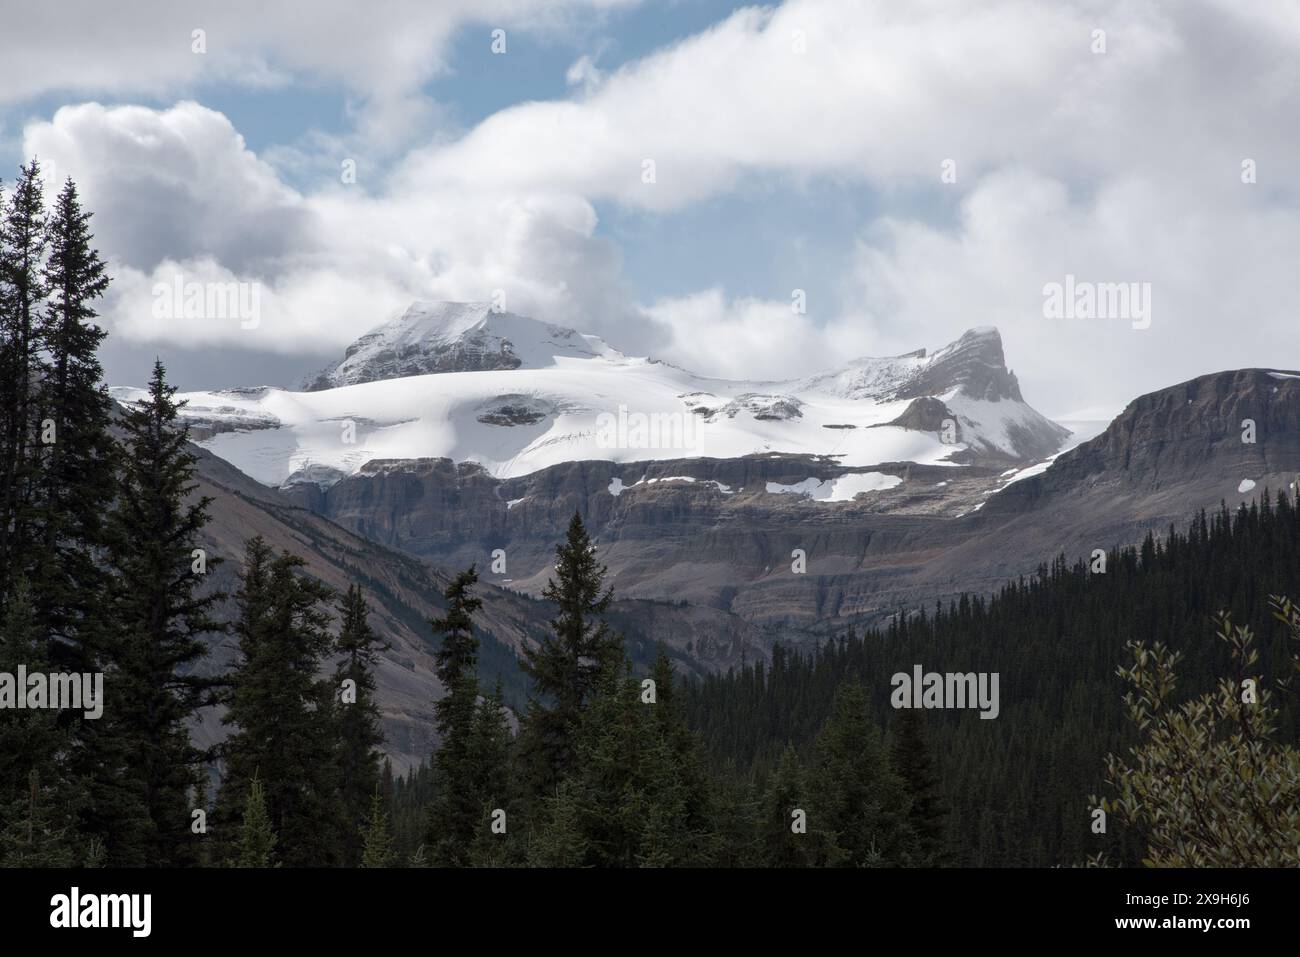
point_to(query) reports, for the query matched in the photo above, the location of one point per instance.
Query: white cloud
(176, 192)
(748, 338)
(1122, 166)
(384, 51)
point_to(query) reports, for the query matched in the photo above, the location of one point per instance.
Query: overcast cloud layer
(1122, 166)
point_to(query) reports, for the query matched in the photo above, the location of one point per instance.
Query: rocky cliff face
(721, 533)
(404, 592)
(975, 365)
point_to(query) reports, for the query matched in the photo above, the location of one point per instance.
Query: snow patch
(842, 489)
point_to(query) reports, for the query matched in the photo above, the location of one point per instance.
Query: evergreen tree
(75, 453)
(284, 713)
(159, 619)
(565, 666)
(854, 791)
(562, 842)
(684, 754)
(256, 835)
(377, 839)
(359, 733)
(39, 799)
(927, 813)
(23, 290)
(790, 833)
(630, 791)
(454, 815)
(490, 777)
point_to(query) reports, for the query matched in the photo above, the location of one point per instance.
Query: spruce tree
(791, 832)
(490, 776)
(359, 733)
(927, 813)
(285, 714)
(23, 290)
(377, 838)
(854, 791)
(39, 798)
(160, 615)
(75, 453)
(257, 840)
(565, 666)
(455, 811)
(630, 790)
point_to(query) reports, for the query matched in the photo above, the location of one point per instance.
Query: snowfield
(556, 407)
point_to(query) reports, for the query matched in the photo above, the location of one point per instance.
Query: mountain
(404, 592)
(720, 533)
(431, 337)
(514, 396)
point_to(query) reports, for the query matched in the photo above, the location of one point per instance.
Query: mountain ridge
(516, 395)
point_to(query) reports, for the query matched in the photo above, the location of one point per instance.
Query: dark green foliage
(790, 833)
(284, 713)
(565, 666)
(1208, 784)
(377, 839)
(632, 797)
(854, 792)
(927, 813)
(159, 616)
(74, 457)
(1016, 786)
(454, 815)
(39, 799)
(23, 289)
(358, 731)
(256, 835)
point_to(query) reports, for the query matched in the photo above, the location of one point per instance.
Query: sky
(746, 191)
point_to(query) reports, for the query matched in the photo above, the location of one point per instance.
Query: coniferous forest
(1172, 665)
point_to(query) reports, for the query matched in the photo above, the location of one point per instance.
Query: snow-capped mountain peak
(429, 337)
(460, 381)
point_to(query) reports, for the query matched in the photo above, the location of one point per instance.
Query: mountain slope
(721, 532)
(404, 592)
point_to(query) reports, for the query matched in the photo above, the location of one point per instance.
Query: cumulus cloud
(178, 195)
(1113, 167)
(748, 338)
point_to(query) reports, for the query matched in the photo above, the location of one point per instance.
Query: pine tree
(359, 733)
(257, 839)
(23, 290)
(490, 764)
(159, 619)
(75, 456)
(454, 813)
(39, 799)
(377, 838)
(684, 755)
(630, 790)
(927, 813)
(284, 713)
(791, 833)
(566, 665)
(562, 842)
